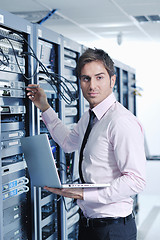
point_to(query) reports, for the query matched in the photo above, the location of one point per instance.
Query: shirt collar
(103, 107)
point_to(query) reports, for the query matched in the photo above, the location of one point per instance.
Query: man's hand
(38, 97)
(76, 193)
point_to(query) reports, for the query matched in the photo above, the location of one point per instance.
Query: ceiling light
(148, 18)
(141, 18)
(154, 18)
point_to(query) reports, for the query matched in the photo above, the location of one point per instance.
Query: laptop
(41, 164)
(147, 152)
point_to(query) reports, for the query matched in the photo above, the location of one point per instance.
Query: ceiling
(88, 20)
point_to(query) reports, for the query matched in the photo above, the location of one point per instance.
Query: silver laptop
(41, 164)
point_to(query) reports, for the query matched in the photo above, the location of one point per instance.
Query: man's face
(95, 82)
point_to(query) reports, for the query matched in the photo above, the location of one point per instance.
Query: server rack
(70, 115)
(16, 122)
(125, 87)
(84, 103)
(58, 55)
(125, 91)
(47, 51)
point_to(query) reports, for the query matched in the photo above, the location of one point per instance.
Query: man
(114, 152)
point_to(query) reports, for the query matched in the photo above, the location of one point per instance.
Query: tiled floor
(148, 221)
(149, 218)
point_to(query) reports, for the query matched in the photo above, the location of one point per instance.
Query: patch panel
(15, 234)
(13, 68)
(7, 135)
(15, 192)
(12, 109)
(15, 183)
(12, 93)
(69, 62)
(11, 143)
(12, 84)
(69, 53)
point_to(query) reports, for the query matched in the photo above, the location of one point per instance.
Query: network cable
(57, 82)
(4, 62)
(27, 78)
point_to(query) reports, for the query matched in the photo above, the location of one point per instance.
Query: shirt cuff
(90, 195)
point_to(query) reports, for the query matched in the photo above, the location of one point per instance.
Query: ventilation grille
(36, 16)
(148, 18)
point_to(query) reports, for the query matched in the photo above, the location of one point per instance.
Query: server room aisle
(149, 205)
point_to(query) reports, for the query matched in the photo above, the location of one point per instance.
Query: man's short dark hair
(91, 55)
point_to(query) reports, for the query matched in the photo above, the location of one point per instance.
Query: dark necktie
(88, 130)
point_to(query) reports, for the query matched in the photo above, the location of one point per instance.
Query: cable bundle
(56, 81)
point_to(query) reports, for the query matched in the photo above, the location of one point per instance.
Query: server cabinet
(84, 103)
(125, 91)
(16, 122)
(47, 65)
(57, 58)
(125, 87)
(71, 111)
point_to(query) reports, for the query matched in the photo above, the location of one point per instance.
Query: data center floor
(148, 220)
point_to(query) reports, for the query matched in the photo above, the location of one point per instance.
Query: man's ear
(113, 80)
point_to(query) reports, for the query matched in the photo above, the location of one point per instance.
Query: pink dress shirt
(114, 154)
